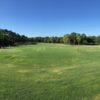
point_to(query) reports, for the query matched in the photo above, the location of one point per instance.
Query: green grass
(50, 72)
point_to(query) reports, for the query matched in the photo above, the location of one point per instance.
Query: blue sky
(50, 17)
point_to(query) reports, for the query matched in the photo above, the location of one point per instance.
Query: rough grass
(50, 72)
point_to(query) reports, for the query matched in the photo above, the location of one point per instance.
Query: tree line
(81, 39)
(10, 38)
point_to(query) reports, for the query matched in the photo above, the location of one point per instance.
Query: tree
(78, 38)
(66, 39)
(98, 39)
(70, 38)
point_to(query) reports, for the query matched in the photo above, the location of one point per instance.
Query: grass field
(50, 72)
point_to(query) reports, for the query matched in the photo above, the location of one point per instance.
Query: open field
(50, 72)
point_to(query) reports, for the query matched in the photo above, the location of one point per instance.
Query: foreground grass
(50, 72)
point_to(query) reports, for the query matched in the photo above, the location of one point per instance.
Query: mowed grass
(50, 72)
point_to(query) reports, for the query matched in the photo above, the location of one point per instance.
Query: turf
(50, 72)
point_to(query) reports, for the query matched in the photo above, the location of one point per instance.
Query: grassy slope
(50, 72)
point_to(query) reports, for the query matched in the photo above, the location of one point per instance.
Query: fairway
(50, 72)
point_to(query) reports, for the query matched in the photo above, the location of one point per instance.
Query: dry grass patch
(24, 71)
(97, 97)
